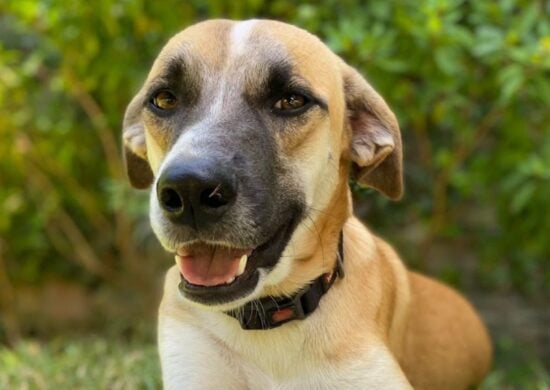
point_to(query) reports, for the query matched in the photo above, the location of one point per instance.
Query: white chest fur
(294, 356)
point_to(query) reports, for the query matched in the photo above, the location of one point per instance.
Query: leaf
(522, 197)
(490, 40)
(511, 79)
(529, 17)
(447, 60)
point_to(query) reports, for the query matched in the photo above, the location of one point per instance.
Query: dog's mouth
(215, 274)
(207, 265)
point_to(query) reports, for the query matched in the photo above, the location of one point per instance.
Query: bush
(467, 79)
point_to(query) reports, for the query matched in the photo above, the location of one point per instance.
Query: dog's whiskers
(264, 324)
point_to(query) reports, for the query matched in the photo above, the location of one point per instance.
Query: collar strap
(271, 312)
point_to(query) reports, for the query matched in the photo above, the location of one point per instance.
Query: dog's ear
(135, 149)
(375, 148)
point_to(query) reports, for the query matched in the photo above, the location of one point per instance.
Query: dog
(247, 133)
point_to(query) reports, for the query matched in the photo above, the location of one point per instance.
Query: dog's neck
(281, 305)
(315, 253)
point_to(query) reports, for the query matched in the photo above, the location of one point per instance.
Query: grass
(97, 363)
(89, 363)
(516, 367)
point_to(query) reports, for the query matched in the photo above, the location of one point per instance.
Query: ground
(99, 363)
(83, 363)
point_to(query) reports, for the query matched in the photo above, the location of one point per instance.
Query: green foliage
(467, 79)
(469, 82)
(516, 367)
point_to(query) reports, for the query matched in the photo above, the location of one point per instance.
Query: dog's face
(246, 132)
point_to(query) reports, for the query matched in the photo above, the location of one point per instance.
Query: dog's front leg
(190, 359)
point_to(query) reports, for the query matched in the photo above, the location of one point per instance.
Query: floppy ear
(135, 150)
(375, 148)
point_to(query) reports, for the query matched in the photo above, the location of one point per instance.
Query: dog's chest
(281, 353)
(294, 356)
(294, 359)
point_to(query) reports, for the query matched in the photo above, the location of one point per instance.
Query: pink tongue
(206, 265)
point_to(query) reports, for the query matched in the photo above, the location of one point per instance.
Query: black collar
(271, 312)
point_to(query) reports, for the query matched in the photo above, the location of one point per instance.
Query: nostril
(171, 200)
(214, 197)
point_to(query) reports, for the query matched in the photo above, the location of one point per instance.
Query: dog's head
(247, 132)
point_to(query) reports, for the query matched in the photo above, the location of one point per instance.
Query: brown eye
(291, 102)
(164, 100)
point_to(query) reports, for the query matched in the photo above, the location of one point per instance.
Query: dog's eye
(291, 101)
(164, 100)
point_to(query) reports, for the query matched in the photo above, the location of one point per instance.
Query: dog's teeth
(242, 265)
(230, 280)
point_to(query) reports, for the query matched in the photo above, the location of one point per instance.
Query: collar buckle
(274, 313)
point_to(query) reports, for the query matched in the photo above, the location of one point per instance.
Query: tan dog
(248, 132)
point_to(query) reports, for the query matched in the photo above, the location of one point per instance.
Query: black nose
(196, 192)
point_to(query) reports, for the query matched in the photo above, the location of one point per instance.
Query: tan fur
(379, 327)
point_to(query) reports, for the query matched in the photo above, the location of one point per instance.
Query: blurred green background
(80, 271)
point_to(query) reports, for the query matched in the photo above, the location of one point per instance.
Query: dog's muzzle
(196, 193)
(227, 224)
